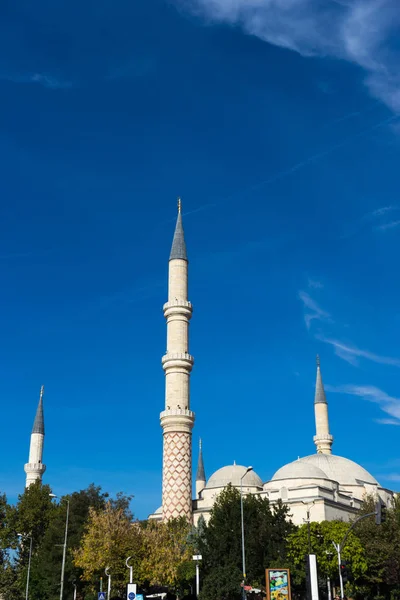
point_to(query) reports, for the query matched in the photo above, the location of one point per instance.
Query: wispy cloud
(389, 404)
(313, 312)
(379, 212)
(43, 79)
(390, 225)
(314, 284)
(358, 31)
(351, 353)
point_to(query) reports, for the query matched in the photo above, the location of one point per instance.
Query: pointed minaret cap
(178, 249)
(201, 474)
(38, 425)
(319, 386)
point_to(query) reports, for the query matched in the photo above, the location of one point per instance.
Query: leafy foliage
(110, 537)
(266, 530)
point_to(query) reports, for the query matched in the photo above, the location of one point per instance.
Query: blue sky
(279, 129)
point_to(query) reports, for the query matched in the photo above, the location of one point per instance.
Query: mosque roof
(232, 474)
(178, 249)
(328, 466)
(299, 470)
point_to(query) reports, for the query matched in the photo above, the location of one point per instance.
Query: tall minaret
(177, 419)
(323, 439)
(201, 474)
(35, 468)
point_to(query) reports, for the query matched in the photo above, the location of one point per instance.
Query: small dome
(158, 511)
(299, 470)
(340, 469)
(232, 474)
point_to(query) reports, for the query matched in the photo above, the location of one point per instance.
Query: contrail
(315, 157)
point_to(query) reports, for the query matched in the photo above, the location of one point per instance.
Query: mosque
(322, 486)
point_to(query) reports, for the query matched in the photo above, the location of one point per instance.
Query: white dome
(232, 474)
(340, 469)
(299, 470)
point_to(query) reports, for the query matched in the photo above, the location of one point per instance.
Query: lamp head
(53, 496)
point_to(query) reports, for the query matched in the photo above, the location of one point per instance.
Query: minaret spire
(177, 419)
(38, 424)
(323, 439)
(178, 249)
(35, 468)
(201, 474)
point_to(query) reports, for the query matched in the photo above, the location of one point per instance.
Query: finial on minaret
(41, 393)
(179, 205)
(318, 361)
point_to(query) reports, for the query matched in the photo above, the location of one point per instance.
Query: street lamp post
(107, 572)
(28, 537)
(242, 521)
(64, 547)
(130, 569)
(308, 521)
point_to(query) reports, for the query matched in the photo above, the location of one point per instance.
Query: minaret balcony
(177, 412)
(34, 468)
(177, 419)
(177, 360)
(178, 307)
(323, 437)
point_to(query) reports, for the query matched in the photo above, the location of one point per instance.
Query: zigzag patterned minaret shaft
(177, 419)
(35, 468)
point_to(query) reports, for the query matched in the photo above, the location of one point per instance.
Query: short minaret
(35, 468)
(201, 474)
(177, 419)
(323, 439)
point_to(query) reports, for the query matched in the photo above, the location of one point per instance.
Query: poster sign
(278, 584)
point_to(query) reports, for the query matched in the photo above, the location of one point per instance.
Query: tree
(266, 530)
(30, 517)
(322, 536)
(381, 544)
(110, 537)
(8, 573)
(222, 583)
(46, 568)
(167, 552)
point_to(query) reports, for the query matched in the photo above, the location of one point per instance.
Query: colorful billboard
(278, 584)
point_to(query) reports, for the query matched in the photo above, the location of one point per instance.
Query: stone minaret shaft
(35, 468)
(323, 439)
(177, 419)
